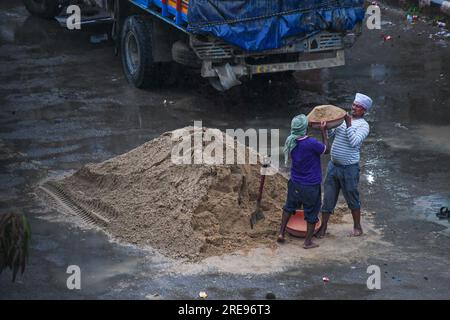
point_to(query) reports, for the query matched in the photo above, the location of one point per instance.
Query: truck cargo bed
(174, 12)
(258, 25)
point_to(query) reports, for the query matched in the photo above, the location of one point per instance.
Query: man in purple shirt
(306, 176)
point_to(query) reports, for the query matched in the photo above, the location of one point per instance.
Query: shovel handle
(261, 187)
(261, 184)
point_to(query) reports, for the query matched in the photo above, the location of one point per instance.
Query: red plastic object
(297, 225)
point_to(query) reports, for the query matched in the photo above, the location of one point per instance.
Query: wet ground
(64, 103)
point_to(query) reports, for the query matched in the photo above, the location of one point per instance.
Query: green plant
(15, 239)
(413, 10)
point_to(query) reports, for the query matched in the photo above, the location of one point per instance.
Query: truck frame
(153, 39)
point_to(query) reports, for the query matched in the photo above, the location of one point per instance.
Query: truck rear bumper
(209, 70)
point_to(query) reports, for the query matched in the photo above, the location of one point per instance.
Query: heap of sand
(188, 211)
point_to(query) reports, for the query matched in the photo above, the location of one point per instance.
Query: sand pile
(325, 113)
(190, 211)
(184, 211)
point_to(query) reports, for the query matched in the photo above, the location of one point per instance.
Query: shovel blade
(259, 215)
(252, 220)
(255, 217)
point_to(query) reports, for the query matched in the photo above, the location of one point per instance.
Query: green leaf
(15, 238)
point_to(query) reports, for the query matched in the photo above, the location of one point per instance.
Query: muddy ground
(65, 103)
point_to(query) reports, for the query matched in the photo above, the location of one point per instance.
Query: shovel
(258, 214)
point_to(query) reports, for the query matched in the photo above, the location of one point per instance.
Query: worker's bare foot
(310, 245)
(357, 232)
(281, 239)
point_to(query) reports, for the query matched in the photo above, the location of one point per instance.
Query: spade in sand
(258, 214)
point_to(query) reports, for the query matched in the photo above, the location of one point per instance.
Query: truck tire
(46, 9)
(137, 56)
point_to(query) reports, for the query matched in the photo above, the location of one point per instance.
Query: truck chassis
(152, 36)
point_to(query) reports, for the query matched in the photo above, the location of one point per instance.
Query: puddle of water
(435, 137)
(419, 138)
(378, 72)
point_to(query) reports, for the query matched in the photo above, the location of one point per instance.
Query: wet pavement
(65, 102)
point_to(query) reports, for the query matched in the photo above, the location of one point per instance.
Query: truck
(225, 41)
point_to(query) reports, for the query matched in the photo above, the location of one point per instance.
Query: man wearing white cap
(343, 169)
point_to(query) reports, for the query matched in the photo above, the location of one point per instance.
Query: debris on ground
(153, 296)
(443, 213)
(270, 296)
(98, 38)
(412, 18)
(203, 295)
(166, 102)
(387, 23)
(325, 279)
(400, 126)
(443, 34)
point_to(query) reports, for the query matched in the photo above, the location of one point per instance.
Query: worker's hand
(348, 120)
(323, 125)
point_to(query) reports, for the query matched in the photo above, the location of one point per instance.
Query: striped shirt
(348, 141)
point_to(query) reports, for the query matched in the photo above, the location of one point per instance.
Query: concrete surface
(65, 102)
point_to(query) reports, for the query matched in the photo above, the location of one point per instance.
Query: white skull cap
(363, 101)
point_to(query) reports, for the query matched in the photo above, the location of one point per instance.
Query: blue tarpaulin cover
(258, 25)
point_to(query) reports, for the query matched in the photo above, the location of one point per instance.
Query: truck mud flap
(226, 78)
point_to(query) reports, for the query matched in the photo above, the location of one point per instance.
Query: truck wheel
(46, 9)
(137, 57)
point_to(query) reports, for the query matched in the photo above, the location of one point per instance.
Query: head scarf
(299, 125)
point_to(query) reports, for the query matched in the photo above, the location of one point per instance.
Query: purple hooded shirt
(306, 169)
